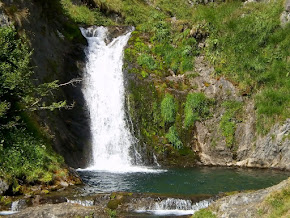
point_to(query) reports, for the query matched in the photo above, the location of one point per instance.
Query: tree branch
(71, 82)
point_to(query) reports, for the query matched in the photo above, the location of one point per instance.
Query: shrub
(173, 138)
(228, 120)
(203, 213)
(79, 13)
(23, 156)
(161, 31)
(146, 61)
(168, 108)
(27, 157)
(272, 103)
(196, 108)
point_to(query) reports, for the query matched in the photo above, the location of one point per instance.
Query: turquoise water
(185, 181)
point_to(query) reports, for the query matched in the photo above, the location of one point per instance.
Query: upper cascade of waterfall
(103, 88)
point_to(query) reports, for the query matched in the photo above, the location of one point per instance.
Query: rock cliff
(58, 54)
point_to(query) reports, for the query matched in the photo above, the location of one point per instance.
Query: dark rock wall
(57, 56)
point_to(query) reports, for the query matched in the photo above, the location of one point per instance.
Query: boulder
(3, 186)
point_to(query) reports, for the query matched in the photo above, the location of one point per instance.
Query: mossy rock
(115, 201)
(113, 204)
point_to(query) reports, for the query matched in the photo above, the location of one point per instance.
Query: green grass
(197, 107)
(276, 205)
(229, 120)
(27, 158)
(168, 108)
(203, 213)
(83, 15)
(25, 155)
(249, 47)
(173, 138)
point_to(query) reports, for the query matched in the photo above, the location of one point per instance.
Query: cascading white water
(103, 89)
(172, 206)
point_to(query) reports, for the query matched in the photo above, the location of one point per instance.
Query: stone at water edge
(285, 16)
(3, 186)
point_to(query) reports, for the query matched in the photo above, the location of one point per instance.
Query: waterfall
(104, 93)
(86, 203)
(172, 206)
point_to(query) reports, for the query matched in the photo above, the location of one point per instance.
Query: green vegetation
(260, 63)
(112, 213)
(24, 154)
(203, 213)
(27, 157)
(276, 205)
(168, 108)
(82, 14)
(196, 108)
(229, 120)
(173, 138)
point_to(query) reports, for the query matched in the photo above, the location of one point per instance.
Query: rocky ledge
(66, 204)
(259, 203)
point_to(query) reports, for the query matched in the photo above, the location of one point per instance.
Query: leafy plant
(168, 108)
(15, 78)
(82, 14)
(173, 138)
(112, 213)
(146, 61)
(272, 103)
(196, 108)
(203, 213)
(229, 120)
(23, 155)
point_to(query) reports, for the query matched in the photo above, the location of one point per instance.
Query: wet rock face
(57, 58)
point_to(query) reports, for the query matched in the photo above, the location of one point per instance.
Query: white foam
(167, 212)
(122, 169)
(8, 212)
(172, 206)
